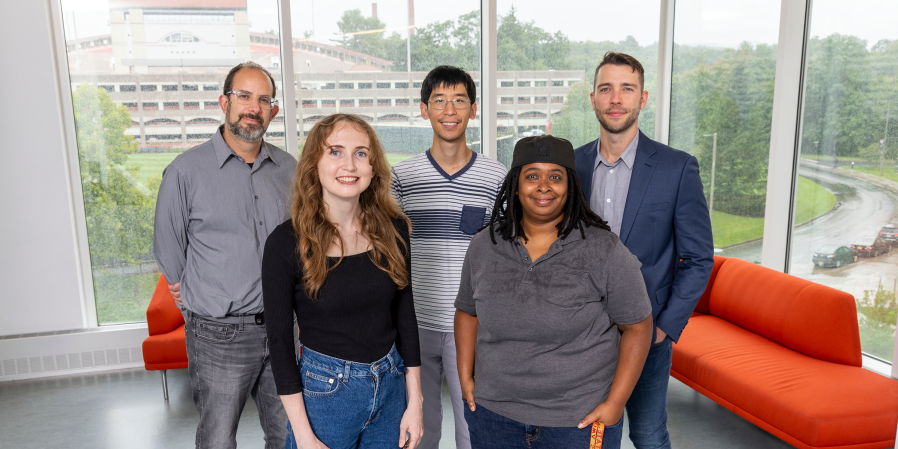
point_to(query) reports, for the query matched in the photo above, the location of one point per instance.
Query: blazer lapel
(643, 167)
(585, 171)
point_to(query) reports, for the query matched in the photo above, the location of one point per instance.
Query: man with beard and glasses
(652, 197)
(217, 204)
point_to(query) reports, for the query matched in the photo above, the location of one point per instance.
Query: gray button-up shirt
(610, 184)
(547, 340)
(213, 216)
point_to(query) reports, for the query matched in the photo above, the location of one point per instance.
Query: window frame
(785, 132)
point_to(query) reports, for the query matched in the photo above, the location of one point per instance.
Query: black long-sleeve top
(358, 316)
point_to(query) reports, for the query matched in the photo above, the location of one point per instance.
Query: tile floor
(125, 409)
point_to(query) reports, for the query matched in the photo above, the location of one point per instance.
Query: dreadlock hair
(507, 211)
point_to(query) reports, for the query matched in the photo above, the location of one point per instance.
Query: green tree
(577, 121)
(733, 97)
(119, 210)
(837, 100)
(525, 46)
(362, 34)
(447, 43)
(880, 306)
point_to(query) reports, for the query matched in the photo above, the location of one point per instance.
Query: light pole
(882, 142)
(713, 169)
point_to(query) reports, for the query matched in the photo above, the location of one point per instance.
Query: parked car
(833, 256)
(870, 247)
(889, 233)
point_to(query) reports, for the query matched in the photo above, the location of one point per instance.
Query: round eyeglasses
(244, 97)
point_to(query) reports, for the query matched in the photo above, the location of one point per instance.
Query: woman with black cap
(554, 312)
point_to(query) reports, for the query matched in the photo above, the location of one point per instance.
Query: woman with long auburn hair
(341, 264)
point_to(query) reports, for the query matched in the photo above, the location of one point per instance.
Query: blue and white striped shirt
(446, 212)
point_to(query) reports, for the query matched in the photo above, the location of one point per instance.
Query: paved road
(861, 210)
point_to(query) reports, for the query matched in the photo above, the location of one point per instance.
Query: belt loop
(346, 366)
(242, 319)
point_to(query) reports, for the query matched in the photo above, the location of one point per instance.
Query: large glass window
(724, 62)
(146, 78)
(353, 57)
(848, 148)
(546, 64)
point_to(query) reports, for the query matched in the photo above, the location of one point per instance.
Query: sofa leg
(165, 384)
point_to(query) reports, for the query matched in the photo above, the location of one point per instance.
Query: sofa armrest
(163, 315)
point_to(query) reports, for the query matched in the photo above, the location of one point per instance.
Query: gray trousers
(437, 360)
(227, 364)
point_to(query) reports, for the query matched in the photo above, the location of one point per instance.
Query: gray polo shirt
(213, 215)
(547, 343)
(610, 184)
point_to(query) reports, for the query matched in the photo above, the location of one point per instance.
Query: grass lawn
(152, 164)
(828, 157)
(731, 229)
(123, 298)
(888, 171)
(877, 340)
(813, 201)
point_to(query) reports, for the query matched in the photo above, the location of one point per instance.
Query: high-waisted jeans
(350, 404)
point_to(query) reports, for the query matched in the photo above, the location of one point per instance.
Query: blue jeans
(352, 405)
(647, 407)
(228, 363)
(493, 431)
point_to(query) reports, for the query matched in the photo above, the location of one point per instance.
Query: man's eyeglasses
(457, 103)
(244, 97)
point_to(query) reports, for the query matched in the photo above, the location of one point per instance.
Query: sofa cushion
(810, 318)
(165, 348)
(163, 315)
(819, 403)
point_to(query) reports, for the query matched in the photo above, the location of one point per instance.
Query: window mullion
(488, 79)
(288, 75)
(665, 71)
(73, 169)
(784, 134)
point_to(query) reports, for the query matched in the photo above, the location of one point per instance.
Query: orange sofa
(785, 354)
(164, 349)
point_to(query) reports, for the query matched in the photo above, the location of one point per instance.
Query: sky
(714, 23)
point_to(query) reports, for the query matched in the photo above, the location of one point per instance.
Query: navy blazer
(666, 225)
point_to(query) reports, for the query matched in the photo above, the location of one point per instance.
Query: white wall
(38, 272)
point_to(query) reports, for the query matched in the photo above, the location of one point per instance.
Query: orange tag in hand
(598, 434)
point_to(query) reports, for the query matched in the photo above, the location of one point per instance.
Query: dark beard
(251, 135)
(623, 126)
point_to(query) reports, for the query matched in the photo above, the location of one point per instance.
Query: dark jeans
(493, 431)
(227, 364)
(647, 407)
(352, 405)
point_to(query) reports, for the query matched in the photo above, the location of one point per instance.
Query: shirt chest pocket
(472, 218)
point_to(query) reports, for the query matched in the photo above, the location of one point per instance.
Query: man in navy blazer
(652, 197)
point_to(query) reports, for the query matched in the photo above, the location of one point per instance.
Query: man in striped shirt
(448, 193)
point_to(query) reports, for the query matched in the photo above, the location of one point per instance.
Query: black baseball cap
(543, 149)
